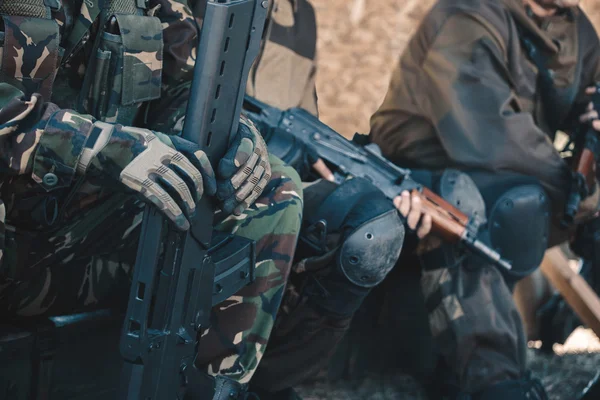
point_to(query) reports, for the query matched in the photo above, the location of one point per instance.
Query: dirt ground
(359, 43)
(564, 373)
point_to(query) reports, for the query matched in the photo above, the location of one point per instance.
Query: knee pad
(519, 226)
(370, 251)
(458, 189)
(369, 241)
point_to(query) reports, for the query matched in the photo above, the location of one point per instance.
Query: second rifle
(352, 159)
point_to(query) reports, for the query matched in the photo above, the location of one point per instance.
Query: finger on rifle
(402, 203)
(415, 212)
(425, 226)
(236, 157)
(244, 191)
(588, 116)
(244, 172)
(156, 195)
(256, 192)
(596, 124)
(176, 184)
(323, 170)
(590, 90)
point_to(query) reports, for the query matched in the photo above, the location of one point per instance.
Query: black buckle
(315, 236)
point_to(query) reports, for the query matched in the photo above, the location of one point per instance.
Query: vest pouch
(30, 54)
(127, 68)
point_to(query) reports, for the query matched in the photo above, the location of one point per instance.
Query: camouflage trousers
(92, 262)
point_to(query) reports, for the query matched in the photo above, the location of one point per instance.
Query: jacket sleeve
(38, 138)
(465, 90)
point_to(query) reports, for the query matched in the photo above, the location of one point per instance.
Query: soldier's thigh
(90, 270)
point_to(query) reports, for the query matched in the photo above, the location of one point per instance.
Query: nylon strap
(27, 8)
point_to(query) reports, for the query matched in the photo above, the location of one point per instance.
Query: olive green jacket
(465, 94)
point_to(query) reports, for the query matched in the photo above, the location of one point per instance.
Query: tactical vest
(121, 47)
(123, 68)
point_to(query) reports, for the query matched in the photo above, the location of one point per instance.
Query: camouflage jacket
(285, 71)
(465, 93)
(73, 64)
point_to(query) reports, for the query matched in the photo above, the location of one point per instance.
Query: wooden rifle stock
(447, 221)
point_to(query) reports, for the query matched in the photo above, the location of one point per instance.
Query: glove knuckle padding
(519, 225)
(370, 252)
(253, 170)
(153, 161)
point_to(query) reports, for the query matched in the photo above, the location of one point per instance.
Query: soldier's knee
(370, 251)
(519, 227)
(371, 239)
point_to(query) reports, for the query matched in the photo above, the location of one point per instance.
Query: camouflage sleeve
(466, 93)
(180, 33)
(38, 138)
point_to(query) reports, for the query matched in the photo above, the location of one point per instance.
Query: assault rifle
(178, 277)
(587, 150)
(349, 158)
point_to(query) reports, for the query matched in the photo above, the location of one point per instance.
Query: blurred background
(359, 43)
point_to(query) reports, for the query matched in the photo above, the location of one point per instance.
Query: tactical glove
(169, 172)
(245, 171)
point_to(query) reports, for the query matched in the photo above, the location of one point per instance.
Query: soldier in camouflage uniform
(322, 296)
(92, 100)
(484, 86)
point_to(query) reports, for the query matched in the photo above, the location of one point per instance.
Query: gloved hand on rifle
(169, 172)
(245, 170)
(172, 173)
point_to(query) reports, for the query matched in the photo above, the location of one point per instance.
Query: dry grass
(359, 44)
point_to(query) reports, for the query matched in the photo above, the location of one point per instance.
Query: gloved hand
(169, 172)
(245, 170)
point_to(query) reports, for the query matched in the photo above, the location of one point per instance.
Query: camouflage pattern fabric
(96, 252)
(69, 239)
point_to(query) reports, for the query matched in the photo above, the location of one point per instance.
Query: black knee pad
(370, 241)
(458, 189)
(370, 251)
(519, 226)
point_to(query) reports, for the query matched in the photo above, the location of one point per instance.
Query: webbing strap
(129, 7)
(25, 8)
